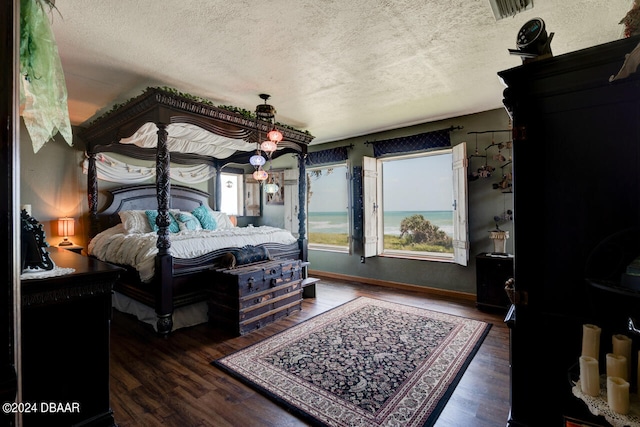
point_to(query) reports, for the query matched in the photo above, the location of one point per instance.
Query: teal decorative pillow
(152, 215)
(207, 221)
(187, 221)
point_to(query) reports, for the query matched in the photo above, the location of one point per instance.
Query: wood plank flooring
(170, 382)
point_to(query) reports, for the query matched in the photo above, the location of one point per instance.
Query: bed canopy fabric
(111, 169)
(189, 138)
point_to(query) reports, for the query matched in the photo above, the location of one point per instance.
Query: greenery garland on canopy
(242, 111)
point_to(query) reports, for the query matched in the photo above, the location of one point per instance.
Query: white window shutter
(291, 201)
(370, 205)
(460, 217)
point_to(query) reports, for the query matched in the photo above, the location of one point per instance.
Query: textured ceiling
(337, 68)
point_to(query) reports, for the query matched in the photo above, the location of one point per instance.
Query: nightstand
(65, 341)
(492, 271)
(73, 248)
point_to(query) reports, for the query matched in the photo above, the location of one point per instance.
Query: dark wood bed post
(164, 265)
(302, 190)
(92, 195)
(218, 188)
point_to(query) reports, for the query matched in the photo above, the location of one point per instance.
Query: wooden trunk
(249, 297)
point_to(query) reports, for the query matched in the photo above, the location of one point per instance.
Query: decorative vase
(499, 238)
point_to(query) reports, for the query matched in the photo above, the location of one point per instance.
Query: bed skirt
(183, 317)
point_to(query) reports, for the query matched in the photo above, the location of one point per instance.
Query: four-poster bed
(171, 128)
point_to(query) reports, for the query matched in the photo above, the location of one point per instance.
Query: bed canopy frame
(164, 108)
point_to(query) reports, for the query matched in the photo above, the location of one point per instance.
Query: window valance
(406, 144)
(330, 155)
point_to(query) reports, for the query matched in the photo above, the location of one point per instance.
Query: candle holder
(599, 405)
(499, 238)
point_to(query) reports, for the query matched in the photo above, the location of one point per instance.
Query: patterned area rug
(365, 363)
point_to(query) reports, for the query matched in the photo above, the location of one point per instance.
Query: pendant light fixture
(271, 187)
(258, 160)
(267, 113)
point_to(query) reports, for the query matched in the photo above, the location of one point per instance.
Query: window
(231, 201)
(415, 206)
(328, 219)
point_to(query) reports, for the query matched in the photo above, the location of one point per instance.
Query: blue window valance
(407, 144)
(330, 155)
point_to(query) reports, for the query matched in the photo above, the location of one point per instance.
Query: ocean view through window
(328, 220)
(427, 193)
(417, 202)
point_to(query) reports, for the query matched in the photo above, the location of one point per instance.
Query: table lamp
(66, 228)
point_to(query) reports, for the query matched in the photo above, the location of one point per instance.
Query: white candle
(622, 346)
(617, 366)
(618, 395)
(589, 376)
(590, 341)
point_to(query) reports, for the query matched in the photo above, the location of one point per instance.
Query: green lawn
(390, 242)
(337, 239)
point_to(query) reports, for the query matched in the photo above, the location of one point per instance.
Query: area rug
(365, 363)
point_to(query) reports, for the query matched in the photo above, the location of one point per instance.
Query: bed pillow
(206, 218)
(151, 218)
(135, 221)
(187, 221)
(222, 219)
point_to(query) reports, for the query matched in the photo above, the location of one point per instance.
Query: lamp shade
(274, 135)
(268, 146)
(257, 160)
(271, 188)
(260, 175)
(66, 228)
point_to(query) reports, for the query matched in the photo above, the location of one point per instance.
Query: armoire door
(576, 154)
(9, 193)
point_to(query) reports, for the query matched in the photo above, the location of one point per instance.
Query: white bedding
(139, 249)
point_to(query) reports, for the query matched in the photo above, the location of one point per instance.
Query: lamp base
(65, 242)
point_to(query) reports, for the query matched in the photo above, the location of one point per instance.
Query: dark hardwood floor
(170, 382)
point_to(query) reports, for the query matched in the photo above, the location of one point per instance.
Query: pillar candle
(589, 376)
(617, 366)
(622, 346)
(618, 395)
(590, 341)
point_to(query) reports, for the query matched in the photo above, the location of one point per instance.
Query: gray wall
(51, 181)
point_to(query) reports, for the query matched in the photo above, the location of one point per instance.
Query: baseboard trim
(396, 285)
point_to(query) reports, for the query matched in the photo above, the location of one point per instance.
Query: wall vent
(507, 8)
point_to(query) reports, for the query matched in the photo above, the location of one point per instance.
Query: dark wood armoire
(576, 154)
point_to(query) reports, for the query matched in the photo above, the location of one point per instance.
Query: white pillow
(135, 221)
(222, 219)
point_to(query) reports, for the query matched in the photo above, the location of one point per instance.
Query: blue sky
(326, 191)
(419, 184)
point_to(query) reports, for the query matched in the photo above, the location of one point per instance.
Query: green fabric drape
(43, 92)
